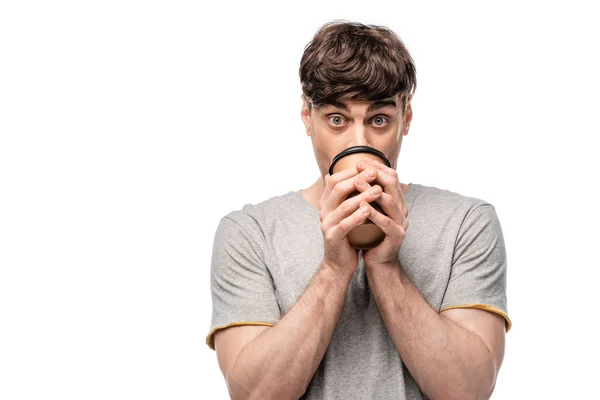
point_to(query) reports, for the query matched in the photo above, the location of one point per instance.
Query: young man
(299, 313)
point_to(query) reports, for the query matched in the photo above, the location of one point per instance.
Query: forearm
(281, 361)
(446, 360)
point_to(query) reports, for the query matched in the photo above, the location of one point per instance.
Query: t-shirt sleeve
(242, 288)
(478, 274)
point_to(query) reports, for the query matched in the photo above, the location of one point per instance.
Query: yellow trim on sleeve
(210, 340)
(485, 307)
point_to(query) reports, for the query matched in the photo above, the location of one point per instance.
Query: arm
(279, 362)
(452, 355)
(455, 354)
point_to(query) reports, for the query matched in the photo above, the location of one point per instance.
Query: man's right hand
(339, 214)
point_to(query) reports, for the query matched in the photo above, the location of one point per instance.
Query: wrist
(337, 272)
(384, 268)
(388, 272)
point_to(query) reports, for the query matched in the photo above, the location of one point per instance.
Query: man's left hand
(395, 224)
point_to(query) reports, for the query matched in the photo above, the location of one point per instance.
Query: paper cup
(366, 235)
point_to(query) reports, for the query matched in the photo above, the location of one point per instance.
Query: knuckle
(328, 235)
(345, 208)
(357, 218)
(369, 176)
(337, 188)
(332, 182)
(386, 222)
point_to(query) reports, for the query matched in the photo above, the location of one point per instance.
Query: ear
(407, 116)
(305, 114)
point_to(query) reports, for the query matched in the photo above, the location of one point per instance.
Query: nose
(357, 135)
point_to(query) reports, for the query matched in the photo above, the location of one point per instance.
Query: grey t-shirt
(265, 255)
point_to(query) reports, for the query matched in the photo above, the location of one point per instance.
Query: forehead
(370, 105)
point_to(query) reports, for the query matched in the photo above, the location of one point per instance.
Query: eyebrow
(375, 106)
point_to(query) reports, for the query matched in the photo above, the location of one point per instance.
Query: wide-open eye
(336, 120)
(380, 121)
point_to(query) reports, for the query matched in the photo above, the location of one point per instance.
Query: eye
(380, 121)
(336, 120)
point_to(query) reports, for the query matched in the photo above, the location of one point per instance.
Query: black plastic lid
(358, 149)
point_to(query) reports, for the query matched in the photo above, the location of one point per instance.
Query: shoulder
(437, 202)
(255, 218)
(263, 210)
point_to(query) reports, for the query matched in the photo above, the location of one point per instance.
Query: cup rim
(357, 149)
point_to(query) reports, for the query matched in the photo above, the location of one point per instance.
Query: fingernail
(370, 173)
(375, 189)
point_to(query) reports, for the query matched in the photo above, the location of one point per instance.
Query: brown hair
(350, 60)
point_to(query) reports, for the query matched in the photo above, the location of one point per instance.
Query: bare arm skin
(453, 355)
(279, 362)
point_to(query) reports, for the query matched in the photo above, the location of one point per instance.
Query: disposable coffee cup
(366, 235)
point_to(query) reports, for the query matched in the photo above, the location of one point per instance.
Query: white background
(129, 128)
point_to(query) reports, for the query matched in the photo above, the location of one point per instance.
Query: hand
(395, 224)
(339, 214)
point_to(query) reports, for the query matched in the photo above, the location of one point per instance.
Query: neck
(314, 192)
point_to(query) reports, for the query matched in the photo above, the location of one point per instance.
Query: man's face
(335, 127)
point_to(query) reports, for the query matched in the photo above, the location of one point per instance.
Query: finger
(390, 207)
(397, 210)
(388, 177)
(342, 189)
(361, 184)
(348, 206)
(340, 230)
(332, 180)
(386, 202)
(368, 162)
(390, 227)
